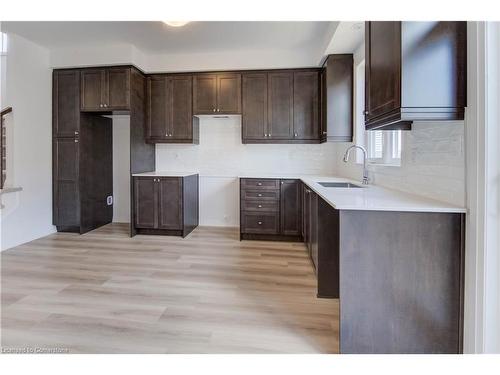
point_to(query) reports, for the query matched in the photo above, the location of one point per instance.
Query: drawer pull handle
(259, 183)
(260, 206)
(260, 195)
(259, 222)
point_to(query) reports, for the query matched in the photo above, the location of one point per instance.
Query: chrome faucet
(365, 171)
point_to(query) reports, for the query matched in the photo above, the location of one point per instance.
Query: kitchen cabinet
(166, 205)
(158, 202)
(82, 178)
(270, 209)
(66, 103)
(82, 175)
(310, 223)
(254, 107)
(306, 124)
(82, 145)
(337, 98)
(217, 93)
(415, 71)
(105, 89)
(280, 110)
(290, 207)
(169, 114)
(281, 107)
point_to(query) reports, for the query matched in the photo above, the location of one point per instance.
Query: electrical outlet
(109, 200)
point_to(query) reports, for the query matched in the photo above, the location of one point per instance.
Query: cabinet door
(313, 227)
(280, 110)
(157, 108)
(383, 68)
(254, 106)
(306, 105)
(339, 97)
(92, 89)
(170, 203)
(66, 103)
(305, 214)
(118, 88)
(205, 94)
(229, 93)
(66, 207)
(291, 209)
(307, 218)
(146, 202)
(181, 107)
(323, 129)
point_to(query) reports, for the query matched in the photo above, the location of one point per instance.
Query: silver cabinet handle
(259, 195)
(260, 222)
(214, 109)
(218, 110)
(260, 206)
(295, 135)
(100, 105)
(76, 132)
(76, 140)
(324, 132)
(105, 105)
(259, 183)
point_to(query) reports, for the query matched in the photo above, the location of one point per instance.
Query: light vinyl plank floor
(104, 292)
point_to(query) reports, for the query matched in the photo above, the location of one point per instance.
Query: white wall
(221, 157)
(27, 215)
(121, 169)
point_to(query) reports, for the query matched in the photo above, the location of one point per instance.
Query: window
(382, 147)
(3, 44)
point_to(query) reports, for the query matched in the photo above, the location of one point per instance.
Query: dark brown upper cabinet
(415, 71)
(217, 93)
(281, 106)
(337, 98)
(280, 110)
(105, 89)
(66, 103)
(169, 113)
(306, 105)
(254, 107)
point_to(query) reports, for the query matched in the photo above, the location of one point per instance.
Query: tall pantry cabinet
(82, 160)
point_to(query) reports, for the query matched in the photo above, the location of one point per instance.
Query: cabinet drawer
(256, 183)
(260, 206)
(267, 223)
(260, 195)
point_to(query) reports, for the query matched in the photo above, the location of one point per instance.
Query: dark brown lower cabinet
(401, 281)
(310, 228)
(398, 276)
(270, 209)
(166, 205)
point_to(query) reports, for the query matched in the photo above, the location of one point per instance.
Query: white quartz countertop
(164, 174)
(368, 198)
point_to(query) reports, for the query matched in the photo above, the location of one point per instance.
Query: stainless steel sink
(339, 185)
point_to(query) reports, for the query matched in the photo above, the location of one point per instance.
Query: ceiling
(195, 37)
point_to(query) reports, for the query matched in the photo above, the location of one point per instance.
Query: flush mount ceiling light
(175, 23)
